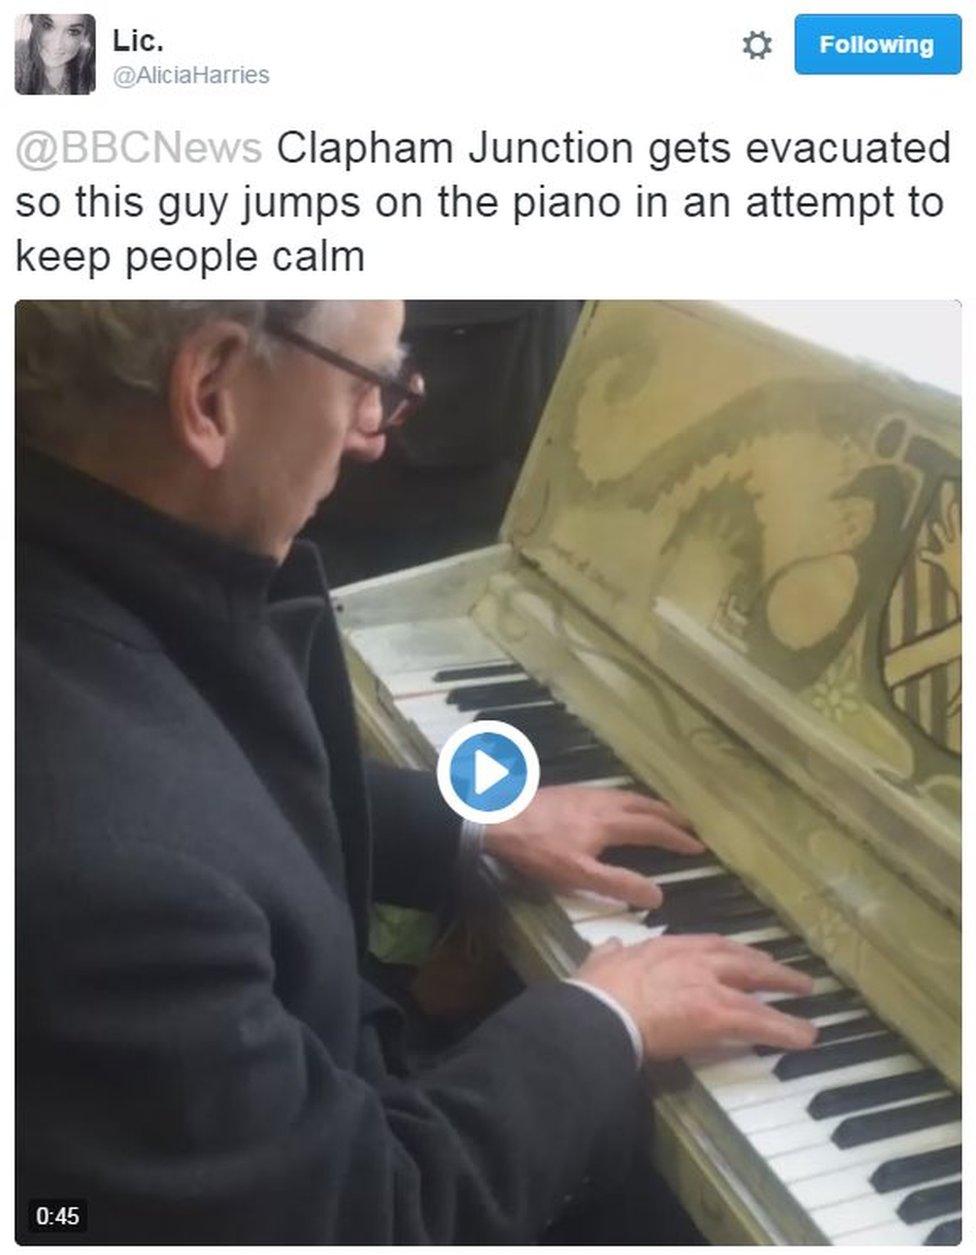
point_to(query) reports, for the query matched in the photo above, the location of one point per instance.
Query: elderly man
(199, 1056)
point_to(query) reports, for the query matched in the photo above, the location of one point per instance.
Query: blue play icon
(488, 771)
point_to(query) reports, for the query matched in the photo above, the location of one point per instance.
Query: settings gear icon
(757, 44)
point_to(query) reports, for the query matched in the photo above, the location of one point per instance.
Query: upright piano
(730, 574)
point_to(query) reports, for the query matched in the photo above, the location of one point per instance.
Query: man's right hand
(694, 992)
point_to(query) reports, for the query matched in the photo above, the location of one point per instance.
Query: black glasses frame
(397, 399)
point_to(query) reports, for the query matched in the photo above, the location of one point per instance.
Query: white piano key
(827, 1189)
(752, 938)
(437, 720)
(584, 905)
(434, 711)
(704, 1059)
(626, 928)
(433, 717)
(429, 710)
(747, 1066)
(821, 985)
(781, 1111)
(868, 1211)
(415, 683)
(766, 1087)
(634, 930)
(813, 1161)
(691, 873)
(500, 682)
(630, 929)
(897, 1234)
(809, 1132)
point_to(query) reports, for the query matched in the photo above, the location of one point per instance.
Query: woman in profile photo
(55, 55)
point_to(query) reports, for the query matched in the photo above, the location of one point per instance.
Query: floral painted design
(836, 694)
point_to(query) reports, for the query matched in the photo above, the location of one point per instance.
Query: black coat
(198, 1055)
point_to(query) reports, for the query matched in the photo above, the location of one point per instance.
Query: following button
(878, 43)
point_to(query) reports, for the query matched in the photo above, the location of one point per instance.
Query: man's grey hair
(76, 358)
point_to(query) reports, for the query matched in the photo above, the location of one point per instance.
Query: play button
(488, 771)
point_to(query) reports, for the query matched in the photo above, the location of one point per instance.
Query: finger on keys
(640, 803)
(744, 1019)
(616, 882)
(757, 971)
(630, 828)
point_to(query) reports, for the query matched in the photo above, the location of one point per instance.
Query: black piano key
(684, 913)
(508, 693)
(554, 748)
(842, 1054)
(550, 718)
(877, 1125)
(699, 897)
(782, 949)
(644, 790)
(530, 719)
(752, 922)
(718, 901)
(598, 755)
(573, 774)
(550, 729)
(701, 889)
(930, 1165)
(948, 1233)
(594, 753)
(931, 1202)
(551, 743)
(480, 672)
(811, 1005)
(725, 927)
(650, 861)
(812, 965)
(861, 1026)
(843, 1099)
(585, 764)
(697, 910)
(545, 719)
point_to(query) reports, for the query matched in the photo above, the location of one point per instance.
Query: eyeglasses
(400, 395)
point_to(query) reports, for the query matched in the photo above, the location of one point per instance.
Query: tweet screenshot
(485, 586)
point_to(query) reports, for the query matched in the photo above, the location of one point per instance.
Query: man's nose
(370, 414)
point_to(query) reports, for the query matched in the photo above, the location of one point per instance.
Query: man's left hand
(558, 839)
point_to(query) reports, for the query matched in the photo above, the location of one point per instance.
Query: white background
(530, 68)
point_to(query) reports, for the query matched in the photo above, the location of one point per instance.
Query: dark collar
(156, 566)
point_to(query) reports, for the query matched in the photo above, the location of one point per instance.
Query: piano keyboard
(864, 1135)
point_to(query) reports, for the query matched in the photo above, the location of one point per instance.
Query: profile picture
(54, 54)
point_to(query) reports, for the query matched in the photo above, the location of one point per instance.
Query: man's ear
(201, 398)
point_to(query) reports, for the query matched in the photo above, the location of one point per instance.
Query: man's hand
(557, 840)
(693, 993)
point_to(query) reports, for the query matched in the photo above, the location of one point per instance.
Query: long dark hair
(80, 70)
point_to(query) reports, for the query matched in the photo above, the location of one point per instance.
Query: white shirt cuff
(472, 838)
(471, 845)
(622, 1014)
